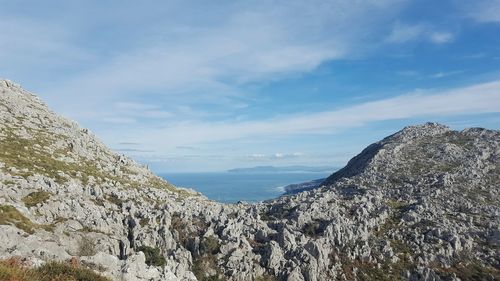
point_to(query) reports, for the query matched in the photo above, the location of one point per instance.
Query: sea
(228, 187)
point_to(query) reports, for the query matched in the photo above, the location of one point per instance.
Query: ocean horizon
(227, 187)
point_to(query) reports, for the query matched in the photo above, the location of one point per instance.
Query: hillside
(422, 204)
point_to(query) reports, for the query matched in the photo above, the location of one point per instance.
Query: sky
(189, 86)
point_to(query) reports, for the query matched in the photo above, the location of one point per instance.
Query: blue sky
(213, 85)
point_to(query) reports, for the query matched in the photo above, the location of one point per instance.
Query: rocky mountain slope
(299, 187)
(422, 204)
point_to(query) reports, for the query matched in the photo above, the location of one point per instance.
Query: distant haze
(284, 169)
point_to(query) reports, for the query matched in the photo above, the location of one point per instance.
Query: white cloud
(477, 99)
(441, 37)
(257, 156)
(206, 57)
(483, 10)
(402, 33)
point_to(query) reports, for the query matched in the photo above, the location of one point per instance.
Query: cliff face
(420, 204)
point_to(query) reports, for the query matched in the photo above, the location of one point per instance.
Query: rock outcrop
(422, 204)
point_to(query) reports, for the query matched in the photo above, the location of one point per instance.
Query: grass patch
(144, 221)
(14, 269)
(115, 200)
(472, 270)
(35, 198)
(8, 182)
(9, 215)
(205, 269)
(367, 271)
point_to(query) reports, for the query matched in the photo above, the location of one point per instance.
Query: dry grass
(9, 215)
(14, 269)
(35, 198)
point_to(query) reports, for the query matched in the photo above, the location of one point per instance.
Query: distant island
(284, 169)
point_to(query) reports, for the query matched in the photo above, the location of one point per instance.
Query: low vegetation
(153, 256)
(35, 198)
(16, 269)
(314, 228)
(205, 269)
(278, 212)
(470, 271)
(86, 246)
(209, 245)
(9, 215)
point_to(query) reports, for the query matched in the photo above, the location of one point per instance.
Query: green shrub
(144, 221)
(153, 256)
(209, 245)
(313, 229)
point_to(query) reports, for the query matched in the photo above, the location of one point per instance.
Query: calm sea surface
(233, 187)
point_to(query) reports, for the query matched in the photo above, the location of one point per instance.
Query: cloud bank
(476, 99)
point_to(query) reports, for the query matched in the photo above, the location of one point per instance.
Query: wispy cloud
(443, 74)
(187, 147)
(206, 58)
(275, 156)
(402, 33)
(129, 143)
(483, 10)
(474, 56)
(29, 44)
(441, 37)
(476, 99)
(199, 86)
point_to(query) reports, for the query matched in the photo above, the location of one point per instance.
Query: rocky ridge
(422, 204)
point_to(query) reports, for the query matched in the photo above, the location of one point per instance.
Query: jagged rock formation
(422, 204)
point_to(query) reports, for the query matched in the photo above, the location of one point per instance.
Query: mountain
(422, 204)
(283, 169)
